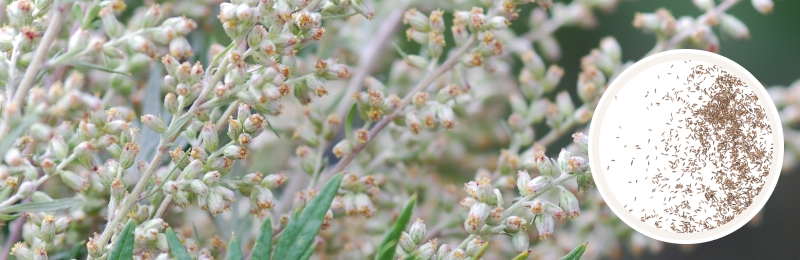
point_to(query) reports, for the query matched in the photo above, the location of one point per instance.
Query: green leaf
(234, 249)
(348, 126)
(221, 54)
(42, 206)
(177, 127)
(309, 252)
(87, 20)
(98, 67)
(263, 247)
(176, 247)
(299, 234)
(9, 217)
(123, 248)
(390, 239)
(576, 253)
(522, 256)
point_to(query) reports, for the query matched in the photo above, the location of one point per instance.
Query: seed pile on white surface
(692, 149)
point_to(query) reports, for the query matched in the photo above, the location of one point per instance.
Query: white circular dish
(640, 144)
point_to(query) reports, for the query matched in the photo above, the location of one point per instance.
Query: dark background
(772, 55)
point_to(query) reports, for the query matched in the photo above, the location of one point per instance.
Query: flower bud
(364, 205)
(425, 251)
(569, 203)
(198, 187)
(406, 243)
(538, 184)
(554, 210)
(417, 20)
(171, 103)
(154, 123)
(363, 8)
(544, 164)
(26, 189)
(59, 147)
(342, 148)
(20, 250)
(273, 181)
(577, 165)
(128, 155)
(519, 241)
(763, 6)
(475, 246)
(416, 61)
(48, 228)
(563, 158)
(734, 27)
(62, 224)
(143, 46)
(544, 225)
(211, 178)
(74, 181)
(498, 23)
(350, 204)
(477, 217)
(180, 48)
(235, 152)
(484, 191)
(417, 231)
(117, 189)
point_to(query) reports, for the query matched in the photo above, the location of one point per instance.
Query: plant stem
(446, 66)
(41, 51)
(673, 41)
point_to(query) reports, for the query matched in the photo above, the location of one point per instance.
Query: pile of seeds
(712, 157)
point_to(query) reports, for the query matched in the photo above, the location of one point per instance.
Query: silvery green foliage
(109, 107)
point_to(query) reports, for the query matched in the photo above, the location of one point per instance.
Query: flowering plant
(133, 132)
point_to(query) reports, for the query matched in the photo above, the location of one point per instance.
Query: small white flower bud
(569, 203)
(363, 8)
(20, 250)
(211, 178)
(143, 46)
(74, 181)
(171, 103)
(477, 217)
(416, 61)
(763, 6)
(544, 225)
(197, 186)
(417, 20)
(59, 147)
(26, 189)
(563, 158)
(154, 123)
(62, 224)
(128, 156)
(180, 48)
(235, 152)
(519, 241)
(417, 231)
(364, 205)
(350, 204)
(734, 27)
(539, 184)
(425, 251)
(544, 164)
(577, 165)
(406, 243)
(704, 5)
(498, 23)
(117, 189)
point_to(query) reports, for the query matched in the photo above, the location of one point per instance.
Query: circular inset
(685, 146)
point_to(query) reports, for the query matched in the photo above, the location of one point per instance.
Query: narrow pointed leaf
(123, 248)
(263, 247)
(483, 251)
(348, 126)
(176, 247)
(523, 255)
(390, 239)
(299, 233)
(234, 249)
(309, 252)
(576, 253)
(42, 206)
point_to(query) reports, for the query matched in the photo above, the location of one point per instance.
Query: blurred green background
(772, 55)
